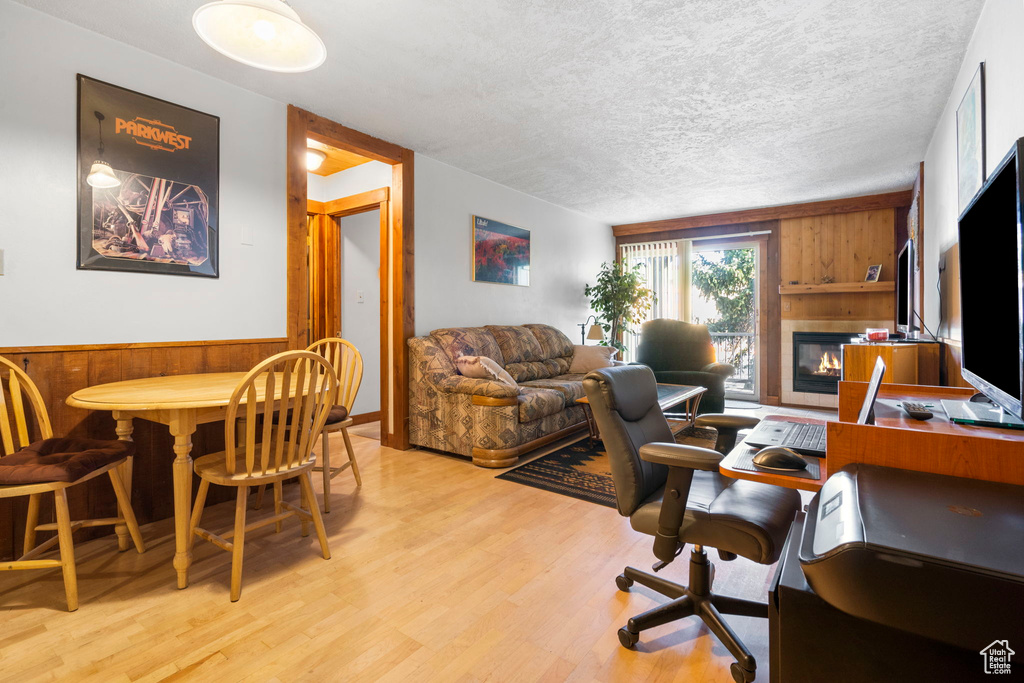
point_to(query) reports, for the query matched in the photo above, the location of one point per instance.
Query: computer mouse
(779, 458)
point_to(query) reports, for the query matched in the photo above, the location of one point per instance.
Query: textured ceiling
(625, 111)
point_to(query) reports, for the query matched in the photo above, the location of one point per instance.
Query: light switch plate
(1, 261)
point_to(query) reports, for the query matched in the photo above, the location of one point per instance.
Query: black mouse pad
(746, 462)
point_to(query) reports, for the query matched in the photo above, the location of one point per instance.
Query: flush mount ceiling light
(314, 158)
(266, 34)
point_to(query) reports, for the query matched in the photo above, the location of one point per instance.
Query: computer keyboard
(808, 436)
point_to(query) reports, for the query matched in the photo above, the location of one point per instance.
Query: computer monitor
(905, 290)
(991, 295)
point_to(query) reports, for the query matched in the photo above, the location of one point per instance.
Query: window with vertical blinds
(662, 269)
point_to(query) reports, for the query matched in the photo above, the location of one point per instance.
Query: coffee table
(669, 396)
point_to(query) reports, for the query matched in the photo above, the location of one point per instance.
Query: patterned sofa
(488, 420)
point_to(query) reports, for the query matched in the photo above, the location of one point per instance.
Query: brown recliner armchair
(675, 493)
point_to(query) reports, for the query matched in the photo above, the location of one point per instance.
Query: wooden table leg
(124, 430)
(182, 425)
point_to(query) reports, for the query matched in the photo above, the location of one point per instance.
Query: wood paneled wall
(838, 248)
(59, 371)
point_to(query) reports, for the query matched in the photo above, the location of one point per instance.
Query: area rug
(580, 470)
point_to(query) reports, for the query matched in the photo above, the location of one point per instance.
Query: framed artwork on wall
(148, 183)
(970, 139)
(501, 253)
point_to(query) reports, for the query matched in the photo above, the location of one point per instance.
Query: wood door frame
(397, 298)
(334, 210)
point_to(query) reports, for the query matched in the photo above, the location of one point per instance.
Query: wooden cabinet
(904, 363)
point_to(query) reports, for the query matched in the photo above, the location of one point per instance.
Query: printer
(936, 556)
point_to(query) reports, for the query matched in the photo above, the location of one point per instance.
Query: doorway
(396, 257)
(724, 295)
(347, 254)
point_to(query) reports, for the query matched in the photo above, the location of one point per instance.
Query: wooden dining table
(181, 402)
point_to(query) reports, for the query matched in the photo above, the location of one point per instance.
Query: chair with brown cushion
(32, 468)
(348, 363)
(295, 390)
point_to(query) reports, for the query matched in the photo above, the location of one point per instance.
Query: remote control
(918, 411)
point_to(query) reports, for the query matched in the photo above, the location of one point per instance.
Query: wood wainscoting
(59, 371)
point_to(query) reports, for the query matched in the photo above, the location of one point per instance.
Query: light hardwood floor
(439, 572)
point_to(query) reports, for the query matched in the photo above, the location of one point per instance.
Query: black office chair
(675, 493)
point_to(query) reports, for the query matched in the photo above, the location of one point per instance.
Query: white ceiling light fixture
(266, 34)
(314, 158)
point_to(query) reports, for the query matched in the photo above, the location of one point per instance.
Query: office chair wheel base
(623, 582)
(739, 674)
(628, 639)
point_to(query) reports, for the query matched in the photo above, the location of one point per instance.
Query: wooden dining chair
(347, 362)
(32, 468)
(295, 391)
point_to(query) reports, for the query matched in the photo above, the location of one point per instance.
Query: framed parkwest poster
(501, 252)
(161, 214)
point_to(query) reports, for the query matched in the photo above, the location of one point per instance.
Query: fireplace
(818, 361)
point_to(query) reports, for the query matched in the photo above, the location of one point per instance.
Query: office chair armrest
(723, 421)
(721, 369)
(678, 455)
(727, 427)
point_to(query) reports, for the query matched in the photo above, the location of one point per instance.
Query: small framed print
(970, 139)
(501, 253)
(873, 273)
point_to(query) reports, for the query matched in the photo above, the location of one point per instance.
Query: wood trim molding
(891, 200)
(357, 203)
(505, 457)
(494, 400)
(138, 345)
(365, 418)
(397, 303)
(337, 135)
(313, 206)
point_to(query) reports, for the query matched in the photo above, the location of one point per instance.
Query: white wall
(44, 299)
(360, 316)
(361, 178)
(567, 249)
(997, 42)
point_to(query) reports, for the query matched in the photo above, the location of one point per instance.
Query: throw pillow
(482, 367)
(587, 358)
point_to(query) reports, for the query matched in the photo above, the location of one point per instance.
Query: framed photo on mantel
(148, 183)
(501, 253)
(970, 139)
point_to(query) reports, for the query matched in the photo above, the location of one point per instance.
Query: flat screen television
(905, 290)
(991, 276)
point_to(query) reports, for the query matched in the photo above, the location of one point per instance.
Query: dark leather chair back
(624, 401)
(674, 345)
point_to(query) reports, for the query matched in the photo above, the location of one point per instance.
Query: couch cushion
(517, 343)
(571, 389)
(482, 367)
(553, 343)
(524, 372)
(587, 358)
(60, 460)
(537, 402)
(468, 341)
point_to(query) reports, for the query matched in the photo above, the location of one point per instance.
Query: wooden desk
(181, 402)
(936, 445)
(742, 449)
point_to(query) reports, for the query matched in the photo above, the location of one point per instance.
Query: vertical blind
(662, 270)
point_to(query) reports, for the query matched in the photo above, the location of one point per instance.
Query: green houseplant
(620, 299)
